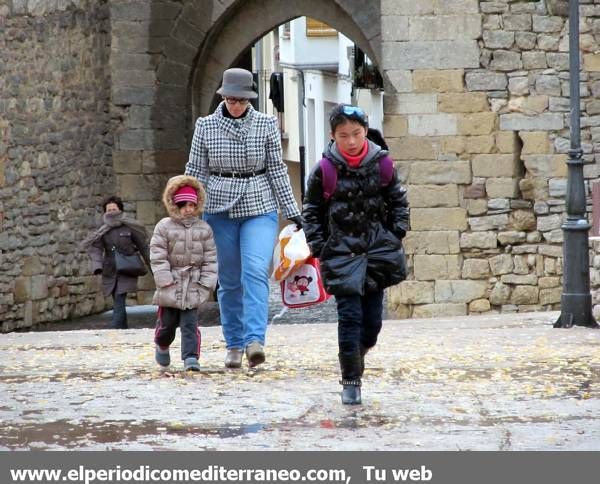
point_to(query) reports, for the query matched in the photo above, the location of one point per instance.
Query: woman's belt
(238, 174)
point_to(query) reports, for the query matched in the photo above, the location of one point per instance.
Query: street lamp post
(576, 300)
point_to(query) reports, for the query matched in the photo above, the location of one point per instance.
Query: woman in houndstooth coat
(236, 155)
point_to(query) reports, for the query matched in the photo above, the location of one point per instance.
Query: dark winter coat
(127, 239)
(357, 233)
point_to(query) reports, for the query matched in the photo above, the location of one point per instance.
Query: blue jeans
(244, 252)
(359, 322)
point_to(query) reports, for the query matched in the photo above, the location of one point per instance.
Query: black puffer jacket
(357, 233)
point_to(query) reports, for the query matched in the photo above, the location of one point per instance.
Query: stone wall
(479, 124)
(100, 96)
(595, 275)
(55, 155)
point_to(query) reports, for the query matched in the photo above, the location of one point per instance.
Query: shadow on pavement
(137, 317)
(145, 316)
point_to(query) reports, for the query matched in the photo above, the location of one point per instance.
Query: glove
(97, 272)
(297, 220)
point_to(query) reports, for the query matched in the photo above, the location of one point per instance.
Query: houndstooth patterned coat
(242, 145)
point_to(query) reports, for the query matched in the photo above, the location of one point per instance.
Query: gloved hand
(297, 220)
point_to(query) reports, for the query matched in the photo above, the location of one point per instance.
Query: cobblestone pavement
(505, 382)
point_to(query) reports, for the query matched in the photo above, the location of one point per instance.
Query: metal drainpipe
(301, 137)
(576, 300)
(259, 67)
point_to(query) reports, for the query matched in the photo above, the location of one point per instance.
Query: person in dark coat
(357, 234)
(126, 235)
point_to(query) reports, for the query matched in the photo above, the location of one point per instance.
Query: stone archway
(243, 24)
(167, 61)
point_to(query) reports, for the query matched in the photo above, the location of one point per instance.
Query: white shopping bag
(290, 252)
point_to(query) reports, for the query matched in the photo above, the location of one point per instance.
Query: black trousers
(187, 319)
(359, 322)
(119, 315)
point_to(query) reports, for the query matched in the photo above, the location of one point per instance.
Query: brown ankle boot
(255, 354)
(234, 358)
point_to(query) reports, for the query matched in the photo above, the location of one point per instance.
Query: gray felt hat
(237, 83)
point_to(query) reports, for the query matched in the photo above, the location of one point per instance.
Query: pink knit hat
(185, 194)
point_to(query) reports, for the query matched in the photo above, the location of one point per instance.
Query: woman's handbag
(129, 265)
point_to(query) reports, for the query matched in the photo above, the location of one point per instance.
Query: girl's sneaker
(191, 364)
(162, 356)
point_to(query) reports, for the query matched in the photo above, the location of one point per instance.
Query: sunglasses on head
(353, 111)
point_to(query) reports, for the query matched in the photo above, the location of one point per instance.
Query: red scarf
(354, 161)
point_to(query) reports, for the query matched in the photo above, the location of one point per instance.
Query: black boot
(363, 351)
(351, 392)
(351, 373)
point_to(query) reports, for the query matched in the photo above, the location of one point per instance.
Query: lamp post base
(576, 310)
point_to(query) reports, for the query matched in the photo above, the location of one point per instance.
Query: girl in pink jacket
(184, 262)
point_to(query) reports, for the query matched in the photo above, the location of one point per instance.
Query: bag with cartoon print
(303, 287)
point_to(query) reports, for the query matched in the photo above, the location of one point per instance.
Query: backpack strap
(386, 170)
(328, 177)
(329, 174)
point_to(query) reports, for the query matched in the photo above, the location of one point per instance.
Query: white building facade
(317, 64)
